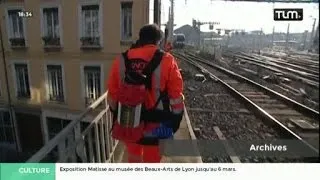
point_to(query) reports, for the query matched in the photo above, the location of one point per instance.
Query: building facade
(57, 56)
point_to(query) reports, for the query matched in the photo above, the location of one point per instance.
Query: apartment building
(57, 55)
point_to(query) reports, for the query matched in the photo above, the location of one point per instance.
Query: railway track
(292, 65)
(274, 79)
(216, 116)
(298, 73)
(304, 60)
(289, 118)
(303, 70)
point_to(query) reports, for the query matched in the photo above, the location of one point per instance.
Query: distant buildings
(248, 40)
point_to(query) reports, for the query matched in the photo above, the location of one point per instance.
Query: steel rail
(269, 119)
(292, 103)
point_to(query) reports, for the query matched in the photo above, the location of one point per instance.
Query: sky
(238, 15)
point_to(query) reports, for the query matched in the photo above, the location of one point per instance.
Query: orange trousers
(143, 154)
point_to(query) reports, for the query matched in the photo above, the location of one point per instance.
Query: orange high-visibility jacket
(166, 77)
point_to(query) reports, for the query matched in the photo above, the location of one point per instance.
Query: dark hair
(135, 45)
(149, 34)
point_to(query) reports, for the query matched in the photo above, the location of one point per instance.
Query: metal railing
(93, 144)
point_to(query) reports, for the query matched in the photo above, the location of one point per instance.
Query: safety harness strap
(149, 69)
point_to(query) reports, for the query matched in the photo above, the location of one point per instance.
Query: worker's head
(150, 34)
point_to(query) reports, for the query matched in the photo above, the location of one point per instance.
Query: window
(180, 38)
(51, 36)
(84, 126)
(6, 128)
(92, 84)
(55, 126)
(55, 83)
(16, 34)
(22, 80)
(126, 21)
(90, 35)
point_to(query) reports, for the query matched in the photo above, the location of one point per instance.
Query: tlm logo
(288, 14)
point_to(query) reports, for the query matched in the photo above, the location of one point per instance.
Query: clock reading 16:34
(25, 14)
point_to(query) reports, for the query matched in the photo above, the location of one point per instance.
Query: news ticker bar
(155, 171)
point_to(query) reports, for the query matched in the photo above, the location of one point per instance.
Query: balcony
(90, 43)
(51, 43)
(93, 144)
(17, 42)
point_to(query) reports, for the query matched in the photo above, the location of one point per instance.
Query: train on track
(179, 41)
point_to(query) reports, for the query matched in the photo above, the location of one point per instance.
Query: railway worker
(168, 47)
(145, 97)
